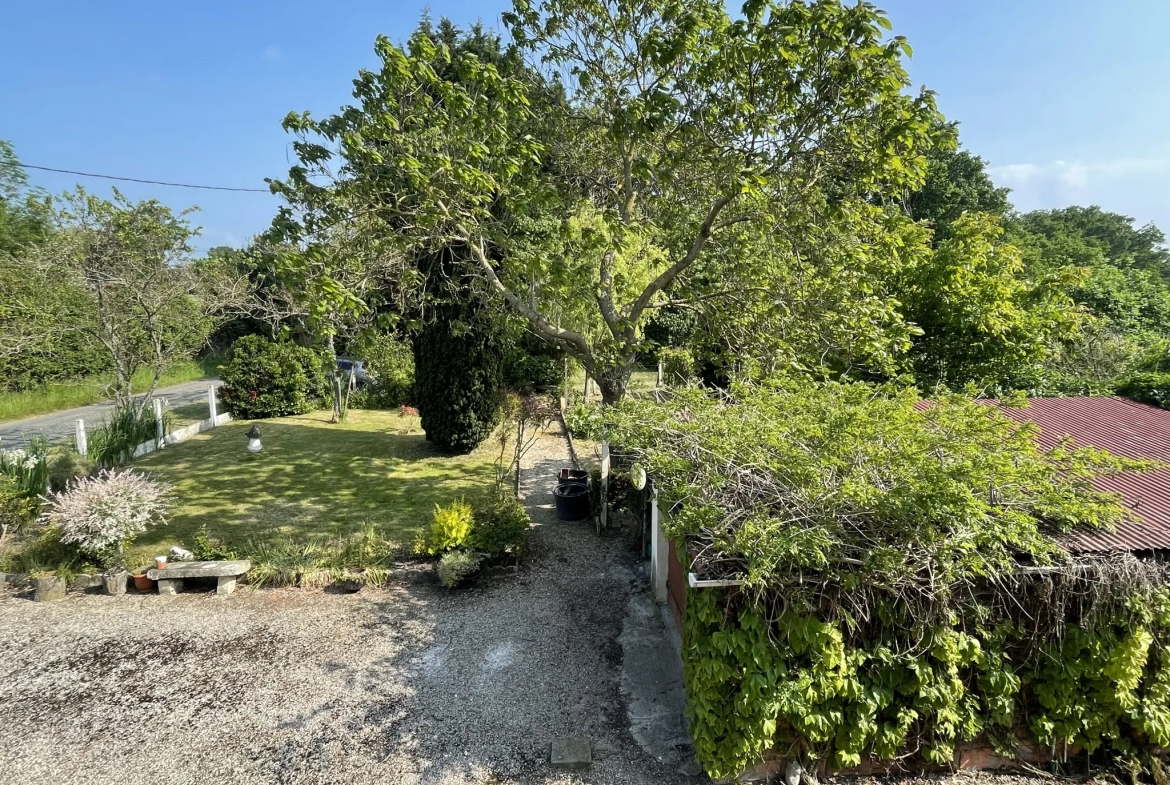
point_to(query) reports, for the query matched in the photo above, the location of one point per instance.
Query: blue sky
(1067, 99)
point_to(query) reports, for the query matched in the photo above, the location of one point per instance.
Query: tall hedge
(458, 375)
(266, 379)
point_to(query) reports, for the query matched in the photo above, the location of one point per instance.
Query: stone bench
(170, 580)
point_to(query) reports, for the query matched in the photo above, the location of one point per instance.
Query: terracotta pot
(142, 583)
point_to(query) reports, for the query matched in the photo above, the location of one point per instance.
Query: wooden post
(565, 382)
(659, 382)
(160, 435)
(211, 403)
(82, 443)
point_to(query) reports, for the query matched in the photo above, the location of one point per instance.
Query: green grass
(313, 480)
(58, 396)
(641, 380)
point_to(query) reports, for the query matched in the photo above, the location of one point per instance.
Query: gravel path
(407, 684)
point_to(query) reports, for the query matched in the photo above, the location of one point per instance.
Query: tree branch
(574, 342)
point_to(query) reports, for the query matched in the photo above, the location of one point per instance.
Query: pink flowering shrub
(101, 514)
(407, 411)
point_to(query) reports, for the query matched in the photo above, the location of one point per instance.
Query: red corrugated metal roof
(1124, 428)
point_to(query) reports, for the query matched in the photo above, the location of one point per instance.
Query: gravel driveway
(402, 685)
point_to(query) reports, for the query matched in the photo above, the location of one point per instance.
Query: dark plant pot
(115, 583)
(48, 588)
(142, 583)
(573, 476)
(572, 501)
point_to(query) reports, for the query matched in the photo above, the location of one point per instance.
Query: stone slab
(573, 752)
(200, 569)
(85, 581)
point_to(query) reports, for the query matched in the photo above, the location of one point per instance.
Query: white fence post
(211, 403)
(160, 434)
(658, 383)
(601, 520)
(82, 443)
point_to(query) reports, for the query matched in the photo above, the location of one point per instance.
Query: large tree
(684, 127)
(118, 277)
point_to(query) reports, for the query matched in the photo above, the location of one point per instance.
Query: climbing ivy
(884, 612)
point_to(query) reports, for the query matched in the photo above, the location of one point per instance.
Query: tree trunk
(613, 383)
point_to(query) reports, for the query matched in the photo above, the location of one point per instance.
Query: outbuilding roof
(1124, 428)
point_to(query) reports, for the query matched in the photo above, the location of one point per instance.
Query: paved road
(62, 425)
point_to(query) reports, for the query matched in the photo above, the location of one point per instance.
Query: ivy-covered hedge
(902, 594)
(266, 379)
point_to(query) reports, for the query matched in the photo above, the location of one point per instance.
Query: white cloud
(272, 53)
(1139, 187)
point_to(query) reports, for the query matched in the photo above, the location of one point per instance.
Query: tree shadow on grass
(312, 479)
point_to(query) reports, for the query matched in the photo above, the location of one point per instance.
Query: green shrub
(527, 373)
(1151, 388)
(265, 379)
(678, 365)
(16, 509)
(584, 420)
(208, 548)
(450, 528)
(459, 381)
(500, 525)
(457, 566)
(48, 554)
(390, 360)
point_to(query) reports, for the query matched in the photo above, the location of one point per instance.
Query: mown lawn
(313, 479)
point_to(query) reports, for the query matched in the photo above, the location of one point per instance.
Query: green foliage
(365, 558)
(499, 525)
(678, 366)
(981, 321)
(24, 217)
(457, 566)
(266, 379)
(391, 361)
(28, 467)
(48, 554)
(878, 541)
(451, 528)
(459, 380)
(526, 373)
(956, 183)
(671, 326)
(208, 548)
(113, 442)
(16, 509)
(1151, 388)
(660, 174)
(584, 420)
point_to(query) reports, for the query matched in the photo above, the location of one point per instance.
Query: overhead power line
(150, 182)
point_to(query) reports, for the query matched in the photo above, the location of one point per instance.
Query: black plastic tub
(572, 501)
(573, 476)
